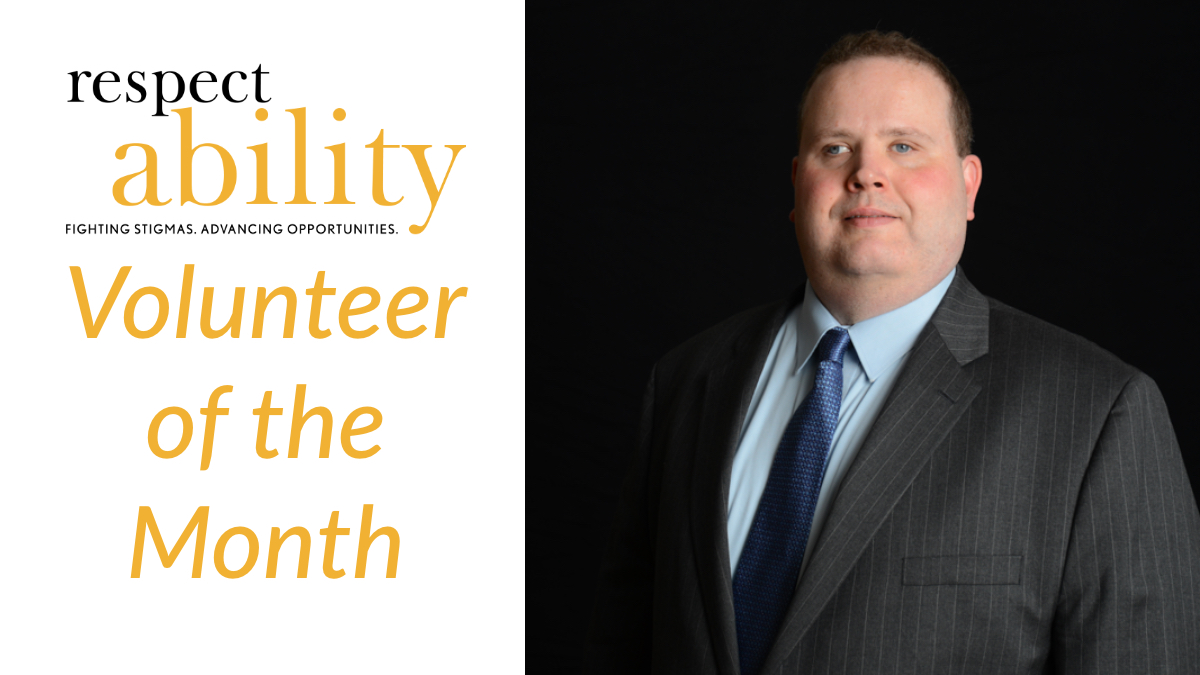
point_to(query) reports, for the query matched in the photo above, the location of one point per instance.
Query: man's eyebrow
(906, 131)
(831, 132)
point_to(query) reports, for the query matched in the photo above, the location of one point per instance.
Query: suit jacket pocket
(994, 570)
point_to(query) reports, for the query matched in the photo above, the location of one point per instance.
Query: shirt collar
(879, 341)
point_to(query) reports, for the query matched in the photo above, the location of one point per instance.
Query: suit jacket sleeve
(1130, 595)
(619, 638)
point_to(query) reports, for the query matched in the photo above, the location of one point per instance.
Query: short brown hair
(895, 45)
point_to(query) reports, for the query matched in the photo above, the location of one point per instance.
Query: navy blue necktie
(770, 563)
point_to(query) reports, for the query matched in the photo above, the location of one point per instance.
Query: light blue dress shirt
(878, 350)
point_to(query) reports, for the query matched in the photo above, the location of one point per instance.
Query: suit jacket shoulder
(749, 328)
(1007, 321)
(1030, 358)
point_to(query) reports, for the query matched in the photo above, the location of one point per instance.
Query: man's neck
(855, 299)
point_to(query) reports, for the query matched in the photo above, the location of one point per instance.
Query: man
(891, 472)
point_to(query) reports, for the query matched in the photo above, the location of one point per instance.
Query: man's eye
(836, 150)
(902, 148)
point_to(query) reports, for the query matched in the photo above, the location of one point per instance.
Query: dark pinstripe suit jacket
(1020, 506)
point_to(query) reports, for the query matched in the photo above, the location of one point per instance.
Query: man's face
(882, 196)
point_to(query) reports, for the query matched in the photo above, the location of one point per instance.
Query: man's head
(884, 181)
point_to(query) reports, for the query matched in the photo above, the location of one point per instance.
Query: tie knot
(833, 344)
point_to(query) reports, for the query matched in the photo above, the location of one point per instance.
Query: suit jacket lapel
(728, 388)
(930, 395)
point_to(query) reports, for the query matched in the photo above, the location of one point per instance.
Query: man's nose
(867, 173)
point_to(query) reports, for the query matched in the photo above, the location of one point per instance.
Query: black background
(660, 146)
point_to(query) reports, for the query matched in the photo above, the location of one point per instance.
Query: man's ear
(972, 169)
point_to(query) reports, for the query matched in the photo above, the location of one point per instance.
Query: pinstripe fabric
(1020, 506)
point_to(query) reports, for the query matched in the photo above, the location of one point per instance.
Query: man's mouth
(867, 215)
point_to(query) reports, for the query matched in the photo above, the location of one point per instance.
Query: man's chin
(869, 263)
